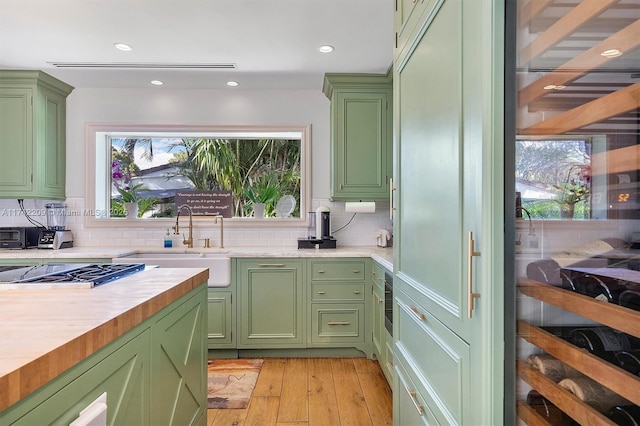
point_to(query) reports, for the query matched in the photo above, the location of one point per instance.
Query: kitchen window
(150, 164)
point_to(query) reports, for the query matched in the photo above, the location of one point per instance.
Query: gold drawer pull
(338, 323)
(321, 292)
(356, 291)
(379, 299)
(356, 271)
(320, 271)
(413, 395)
(279, 265)
(420, 316)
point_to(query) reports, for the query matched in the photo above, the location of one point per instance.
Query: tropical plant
(129, 192)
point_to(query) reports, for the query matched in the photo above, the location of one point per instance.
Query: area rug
(230, 382)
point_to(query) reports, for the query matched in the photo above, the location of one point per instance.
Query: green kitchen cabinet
(448, 324)
(123, 374)
(377, 308)
(361, 135)
(152, 374)
(179, 363)
(338, 300)
(271, 310)
(32, 135)
(221, 313)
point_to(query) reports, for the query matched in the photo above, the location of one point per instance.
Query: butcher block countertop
(45, 332)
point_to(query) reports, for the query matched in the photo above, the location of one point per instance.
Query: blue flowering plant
(121, 179)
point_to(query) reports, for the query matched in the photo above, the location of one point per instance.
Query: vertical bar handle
(391, 189)
(471, 296)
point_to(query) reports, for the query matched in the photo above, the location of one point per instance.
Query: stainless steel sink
(218, 262)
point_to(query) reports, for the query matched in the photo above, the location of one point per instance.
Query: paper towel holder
(360, 206)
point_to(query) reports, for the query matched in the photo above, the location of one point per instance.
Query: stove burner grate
(97, 274)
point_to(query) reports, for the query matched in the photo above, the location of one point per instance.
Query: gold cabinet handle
(391, 189)
(338, 323)
(356, 291)
(321, 271)
(277, 265)
(356, 271)
(321, 292)
(417, 313)
(413, 395)
(379, 299)
(471, 296)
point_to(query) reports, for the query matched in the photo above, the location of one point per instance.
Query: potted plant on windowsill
(574, 190)
(129, 193)
(264, 191)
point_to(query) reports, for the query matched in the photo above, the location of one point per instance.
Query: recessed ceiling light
(326, 48)
(611, 53)
(232, 83)
(157, 82)
(122, 46)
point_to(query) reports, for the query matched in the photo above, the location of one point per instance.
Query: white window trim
(97, 150)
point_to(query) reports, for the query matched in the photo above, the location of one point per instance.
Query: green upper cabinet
(361, 135)
(32, 135)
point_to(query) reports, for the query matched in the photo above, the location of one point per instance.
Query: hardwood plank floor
(314, 391)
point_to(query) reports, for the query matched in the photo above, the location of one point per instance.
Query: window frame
(98, 153)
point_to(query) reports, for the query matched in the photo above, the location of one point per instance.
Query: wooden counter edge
(22, 382)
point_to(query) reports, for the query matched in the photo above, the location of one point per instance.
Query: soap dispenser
(168, 242)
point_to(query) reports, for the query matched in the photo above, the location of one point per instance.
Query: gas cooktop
(65, 275)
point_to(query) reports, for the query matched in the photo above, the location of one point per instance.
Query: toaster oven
(19, 237)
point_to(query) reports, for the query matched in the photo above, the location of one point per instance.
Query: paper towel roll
(360, 207)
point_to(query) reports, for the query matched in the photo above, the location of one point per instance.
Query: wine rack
(616, 379)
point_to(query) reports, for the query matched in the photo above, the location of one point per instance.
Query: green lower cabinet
(123, 375)
(179, 363)
(220, 319)
(154, 374)
(337, 323)
(410, 408)
(433, 357)
(387, 365)
(378, 336)
(272, 303)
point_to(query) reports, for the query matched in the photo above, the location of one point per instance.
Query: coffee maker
(56, 236)
(319, 230)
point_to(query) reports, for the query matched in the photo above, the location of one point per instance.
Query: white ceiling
(273, 43)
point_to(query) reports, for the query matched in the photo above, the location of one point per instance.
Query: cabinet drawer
(429, 347)
(337, 323)
(321, 292)
(412, 408)
(338, 271)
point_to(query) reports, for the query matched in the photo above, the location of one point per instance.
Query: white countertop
(384, 256)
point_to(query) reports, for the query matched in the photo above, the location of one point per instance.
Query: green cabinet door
(32, 135)
(220, 319)
(361, 135)
(377, 310)
(272, 303)
(16, 140)
(123, 375)
(445, 126)
(179, 363)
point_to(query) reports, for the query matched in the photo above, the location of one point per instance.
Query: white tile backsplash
(360, 232)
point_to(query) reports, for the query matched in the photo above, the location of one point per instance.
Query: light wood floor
(314, 391)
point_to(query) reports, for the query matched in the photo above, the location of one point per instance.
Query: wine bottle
(629, 360)
(631, 297)
(600, 341)
(625, 415)
(546, 409)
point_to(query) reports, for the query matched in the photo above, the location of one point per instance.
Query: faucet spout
(215, 220)
(186, 241)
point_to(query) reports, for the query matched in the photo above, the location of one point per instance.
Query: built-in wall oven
(388, 302)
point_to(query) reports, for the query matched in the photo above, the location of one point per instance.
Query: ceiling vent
(143, 65)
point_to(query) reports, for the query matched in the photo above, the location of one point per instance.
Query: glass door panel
(576, 153)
